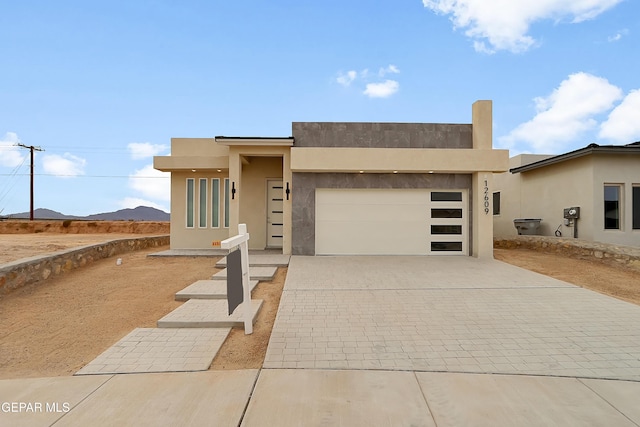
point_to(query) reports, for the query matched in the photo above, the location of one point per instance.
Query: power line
(86, 176)
(10, 183)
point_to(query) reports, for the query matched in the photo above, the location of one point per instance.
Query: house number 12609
(486, 197)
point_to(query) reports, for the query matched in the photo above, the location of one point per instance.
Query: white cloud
(390, 69)
(623, 125)
(143, 150)
(617, 36)
(151, 183)
(504, 24)
(345, 79)
(382, 90)
(134, 202)
(566, 113)
(65, 166)
(372, 89)
(10, 155)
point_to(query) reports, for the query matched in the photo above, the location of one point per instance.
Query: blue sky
(102, 85)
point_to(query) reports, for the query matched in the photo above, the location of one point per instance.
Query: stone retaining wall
(26, 271)
(624, 255)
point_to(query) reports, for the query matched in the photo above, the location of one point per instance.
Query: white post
(242, 240)
(246, 291)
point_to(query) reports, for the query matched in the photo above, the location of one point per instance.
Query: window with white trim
(215, 203)
(202, 207)
(190, 202)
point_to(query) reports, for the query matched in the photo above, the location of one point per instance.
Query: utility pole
(31, 149)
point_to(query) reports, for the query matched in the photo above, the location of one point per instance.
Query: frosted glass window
(202, 217)
(190, 202)
(215, 202)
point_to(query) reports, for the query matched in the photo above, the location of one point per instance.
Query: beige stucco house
(341, 188)
(602, 181)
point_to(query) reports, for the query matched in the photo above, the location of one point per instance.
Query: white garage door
(391, 222)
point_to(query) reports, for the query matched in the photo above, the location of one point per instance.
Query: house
(341, 188)
(602, 181)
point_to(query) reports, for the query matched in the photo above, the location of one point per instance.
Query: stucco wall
(547, 191)
(615, 169)
(196, 237)
(369, 135)
(253, 196)
(544, 193)
(508, 185)
(382, 135)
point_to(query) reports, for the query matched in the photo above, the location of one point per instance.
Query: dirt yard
(57, 327)
(607, 278)
(23, 239)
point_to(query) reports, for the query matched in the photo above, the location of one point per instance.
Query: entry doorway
(275, 217)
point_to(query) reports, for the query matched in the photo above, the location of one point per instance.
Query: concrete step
(255, 273)
(207, 313)
(207, 289)
(261, 260)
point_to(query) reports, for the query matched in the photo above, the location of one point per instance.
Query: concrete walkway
(393, 341)
(284, 397)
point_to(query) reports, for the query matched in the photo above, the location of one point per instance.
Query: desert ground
(56, 327)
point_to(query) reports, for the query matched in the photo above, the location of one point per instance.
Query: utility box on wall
(572, 213)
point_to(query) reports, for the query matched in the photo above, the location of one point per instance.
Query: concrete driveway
(394, 341)
(449, 314)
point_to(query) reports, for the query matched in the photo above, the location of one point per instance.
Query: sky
(102, 86)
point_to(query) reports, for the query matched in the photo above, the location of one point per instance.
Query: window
(190, 202)
(446, 213)
(215, 202)
(446, 229)
(446, 196)
(446, 246)
(226, 203)
(636, 207)
(496, 203)
(202, 216)
(612, 207)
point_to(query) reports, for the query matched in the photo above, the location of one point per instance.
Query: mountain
(141, 213)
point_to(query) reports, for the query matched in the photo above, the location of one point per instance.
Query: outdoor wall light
(233, 190)
(287, 191)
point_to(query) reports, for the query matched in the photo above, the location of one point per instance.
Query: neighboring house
(603, 181)
(341, 188)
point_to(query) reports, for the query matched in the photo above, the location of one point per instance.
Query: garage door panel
(371, 195)
(370, 238)
(373, 212)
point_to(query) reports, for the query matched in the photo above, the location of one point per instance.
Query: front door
(274, 213)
